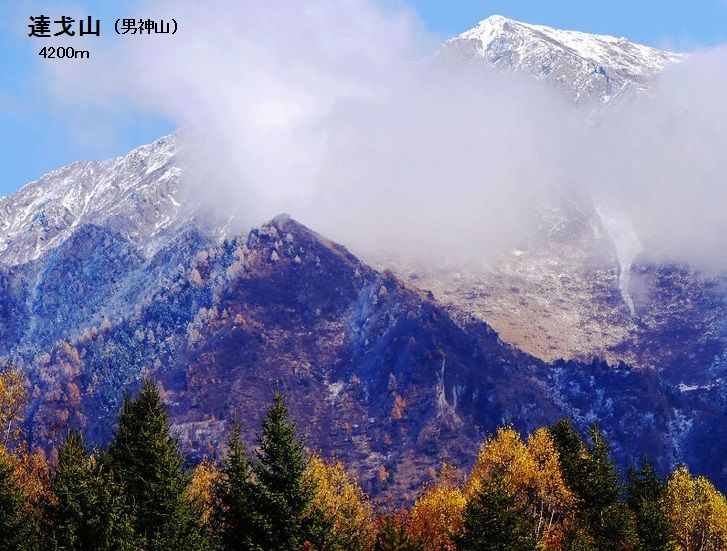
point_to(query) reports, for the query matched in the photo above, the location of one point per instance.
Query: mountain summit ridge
(137, 194)
(587, 66)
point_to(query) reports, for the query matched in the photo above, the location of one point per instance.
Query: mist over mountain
(517, 213)
(288, 110)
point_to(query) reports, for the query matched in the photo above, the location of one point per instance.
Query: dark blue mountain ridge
(378, 372)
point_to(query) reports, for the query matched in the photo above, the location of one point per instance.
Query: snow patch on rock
(628, 246)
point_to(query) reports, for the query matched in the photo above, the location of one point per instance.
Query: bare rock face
(566, 292)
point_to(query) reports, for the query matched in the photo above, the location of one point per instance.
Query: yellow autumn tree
(30, 467)
(550, 495)
(34, 474)
(199, 490)
(340, 509)
(532, 470)
(437, 515)
(507, 455)
(697, 512)
(25, 493)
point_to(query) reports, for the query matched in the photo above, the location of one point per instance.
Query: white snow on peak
(597, 48)
(138, 194)
(589, 65)
(133, 194)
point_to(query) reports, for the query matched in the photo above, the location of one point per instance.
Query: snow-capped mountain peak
(587, 66)
(134, 194)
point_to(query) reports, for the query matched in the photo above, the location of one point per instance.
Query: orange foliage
(397, 410)
(532, 469)
(382, 475)
(437, 514)
(13, 401)
(343, 504)
(199, 490)
(33, 475)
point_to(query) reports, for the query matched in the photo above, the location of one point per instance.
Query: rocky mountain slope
(565, 293)
(378, 372)
(586, 67)
(137, 194)
(107, 274)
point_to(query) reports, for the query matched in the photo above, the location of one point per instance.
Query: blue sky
(36, 136)
(680, 24)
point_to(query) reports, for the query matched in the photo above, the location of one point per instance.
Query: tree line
(554, 489)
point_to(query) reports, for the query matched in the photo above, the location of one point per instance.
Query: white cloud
(325, 110)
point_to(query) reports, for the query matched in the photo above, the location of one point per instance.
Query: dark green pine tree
(593, 476)
(391, 536)
(610, 519)
(602, 487)
(284, 492)
(89, 512)
(17, 528)
(237, 523)
(496, 520)
(572, 450)
(146, 459)
(645, 496)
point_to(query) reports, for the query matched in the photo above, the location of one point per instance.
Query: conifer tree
(602, 487)
(237, 524)
(609, 517)
(592, 475)
(645, 496)
(496, 520)
(88, 510)
(571, 450)
(284, 492)
(392, 535)
(146, 459)
(17, 529)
